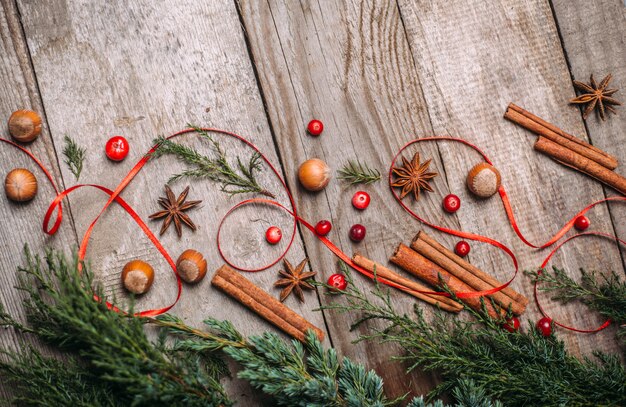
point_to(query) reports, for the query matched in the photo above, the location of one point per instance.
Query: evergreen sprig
(357, 173)
(603, 293)
(74, 156)
(61, 310)
(518, 368)
(240, 179)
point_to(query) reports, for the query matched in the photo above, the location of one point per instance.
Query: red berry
(273, 235)
(323, 227)
(117, 148)
(315, 127)
(451, 203)
(357, 233)
(361, 200)
(582, 222)
(511, 324)
(338, 281)
(462, 248)
(544, 326)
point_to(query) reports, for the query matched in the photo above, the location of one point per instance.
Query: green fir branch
(357, 173)
(240, 179)
(74, 156)
(521, 368)
(605, 294)
(61, 310)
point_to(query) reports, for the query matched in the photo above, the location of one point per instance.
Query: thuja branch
(518, 368)
(239, 179)
(74, 156)
(603, 293)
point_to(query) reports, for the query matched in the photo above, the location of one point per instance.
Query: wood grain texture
(476, 58)
(142, 69)
(349, 65)
(594, 39)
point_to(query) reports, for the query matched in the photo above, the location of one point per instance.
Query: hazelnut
(191, 266)
(20, 185)
(137, 276)
(483, 180)
(25, 125)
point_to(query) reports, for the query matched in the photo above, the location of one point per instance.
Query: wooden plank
(21, 223)
(347, 64)
(142, 69)
(594, 39)
(476, 58)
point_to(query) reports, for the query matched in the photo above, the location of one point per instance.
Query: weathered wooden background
(377, 73)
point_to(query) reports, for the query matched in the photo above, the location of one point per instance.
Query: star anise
(596, 96)
(294, 280)
(413, 176)
(174, 208)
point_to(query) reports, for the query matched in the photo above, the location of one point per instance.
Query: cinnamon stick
(450, 262)
(582, 164)
(445, 303)
(471, 268)
(542, 128)
(266, 306)
(431, 273)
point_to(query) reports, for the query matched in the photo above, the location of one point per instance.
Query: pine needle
(74, 156)
(239, 179)
(357, 173)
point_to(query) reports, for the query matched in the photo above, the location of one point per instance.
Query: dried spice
(294, 280)
(412, 176)
(596, 96)
(174, 209)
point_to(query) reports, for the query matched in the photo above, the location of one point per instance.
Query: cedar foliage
(519, 368)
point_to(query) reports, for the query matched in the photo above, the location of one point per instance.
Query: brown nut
(20, 185)
(314, 174)
(25, 125)
(137, 276)
(191, 266)
(483, 180)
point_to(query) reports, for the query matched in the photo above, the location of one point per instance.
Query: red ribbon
(114, 197)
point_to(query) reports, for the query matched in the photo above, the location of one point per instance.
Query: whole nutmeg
(314, 174)
(191, 266)
(20, 185)
(25, 125)
(137, 276)
(483, 180)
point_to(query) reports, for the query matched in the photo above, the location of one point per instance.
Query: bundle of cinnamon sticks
(265, 305)
(569, 150)
(433, 263)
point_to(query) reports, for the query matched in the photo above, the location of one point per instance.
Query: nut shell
(25, 125)
(137, 276)
(20, 185)
(483, 180)
(191, 266)
(314, 174)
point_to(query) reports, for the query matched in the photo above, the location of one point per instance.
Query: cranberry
(361, 200)
(582, 222)
(338, 281)
(544, 326)
(462, 248)
(451, 203)
(323, 227)
(357, 233)
(117, 148)
(273, 235)
(315, 127)
(511, 324)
